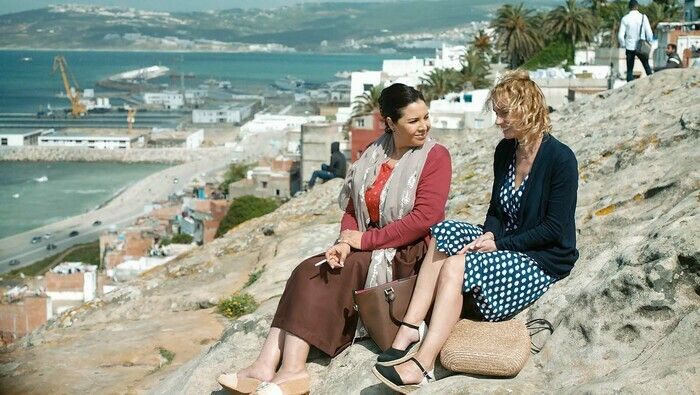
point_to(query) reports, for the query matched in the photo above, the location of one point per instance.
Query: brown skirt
(317, 302)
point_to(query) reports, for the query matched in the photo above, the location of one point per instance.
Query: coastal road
(121, 211)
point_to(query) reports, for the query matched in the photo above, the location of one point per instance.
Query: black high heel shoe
(389, 376)
(394, 356)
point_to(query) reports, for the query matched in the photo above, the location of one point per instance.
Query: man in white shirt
(630, 27)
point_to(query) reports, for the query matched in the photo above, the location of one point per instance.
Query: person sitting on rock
(336, 169)
(387, 238)
(673, 61)
(527, 242)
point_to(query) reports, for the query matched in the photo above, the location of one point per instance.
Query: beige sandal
(234, 385)
(290, 387)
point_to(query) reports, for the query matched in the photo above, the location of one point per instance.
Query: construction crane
(78, 109)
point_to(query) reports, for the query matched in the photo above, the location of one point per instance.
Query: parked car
(48, 235)
(97, 223)
(36, 239)
(50, 246)
(14, 262)
(73, 233)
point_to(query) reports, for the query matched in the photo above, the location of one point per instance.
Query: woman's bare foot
(287, 375)
(404, 337)
(257, 371)
(410, 372)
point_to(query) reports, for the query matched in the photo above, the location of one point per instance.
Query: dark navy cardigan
(546, 229)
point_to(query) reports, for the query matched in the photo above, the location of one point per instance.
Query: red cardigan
(428, 208)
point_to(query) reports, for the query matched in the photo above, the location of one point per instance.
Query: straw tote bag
(383, 307)
(497, 349)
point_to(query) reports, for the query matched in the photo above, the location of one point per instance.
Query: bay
(71, 188)
(28, 85)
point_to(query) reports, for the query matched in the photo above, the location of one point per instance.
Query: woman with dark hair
(392, 195)
(527, 243)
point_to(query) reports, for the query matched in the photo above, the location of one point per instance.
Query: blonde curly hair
(519, 97)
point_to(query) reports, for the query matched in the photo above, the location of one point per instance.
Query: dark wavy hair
(394, 99)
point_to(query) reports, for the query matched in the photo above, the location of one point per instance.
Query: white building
(194, 140)
(462, 110)
(560, 87)
(262, 123)
(343, 114)
(22, 138)
(166, 99)
(584, 56)
(223, 114)
(131, 268)
(195, 96)
(71, 284)
(406, 71)
(363, 81)
(96, 142)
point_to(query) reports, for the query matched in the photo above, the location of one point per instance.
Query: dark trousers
(630, 63)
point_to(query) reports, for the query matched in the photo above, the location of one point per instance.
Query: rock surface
(626, 320)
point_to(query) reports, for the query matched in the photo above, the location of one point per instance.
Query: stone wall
(132, 155)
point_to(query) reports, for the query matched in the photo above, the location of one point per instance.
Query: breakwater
(132, 155)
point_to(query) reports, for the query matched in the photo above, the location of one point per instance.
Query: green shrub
(235, 172)
(237, 305)
(554, 54)
(88, 253)
(244, 208)
(166, 354)
(181, 238)
(254, 276)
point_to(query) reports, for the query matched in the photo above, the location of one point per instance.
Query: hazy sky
(10, 6)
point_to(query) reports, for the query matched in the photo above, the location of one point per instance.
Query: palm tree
(517, 36)
(482, 43)
(574, 23)
(475, 68)
(596, 6)
(672, 9)
(655, 13)
(440, 82)
(368, 102)
(611, 16)
(661, 11)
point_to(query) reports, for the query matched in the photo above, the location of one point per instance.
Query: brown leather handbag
(383, 307)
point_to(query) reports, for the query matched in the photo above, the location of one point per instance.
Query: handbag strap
(536, 326)
(390, 295)
(641, 27)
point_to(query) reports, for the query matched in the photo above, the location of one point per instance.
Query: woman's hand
(352, 237)
(483, 243)
(336, 255)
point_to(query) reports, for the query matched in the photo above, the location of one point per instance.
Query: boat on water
(289, 83)
(144, 74)
(16, 196)
(26, 59)
(41, 179)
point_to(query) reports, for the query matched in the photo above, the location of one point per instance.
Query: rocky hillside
(626, 320)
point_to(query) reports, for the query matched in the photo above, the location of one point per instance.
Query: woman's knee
(452, 270)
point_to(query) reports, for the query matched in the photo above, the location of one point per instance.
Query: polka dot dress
(503, 282)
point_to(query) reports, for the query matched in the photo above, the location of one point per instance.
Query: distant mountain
(303, 27)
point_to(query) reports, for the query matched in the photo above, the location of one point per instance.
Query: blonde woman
(527, 242)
